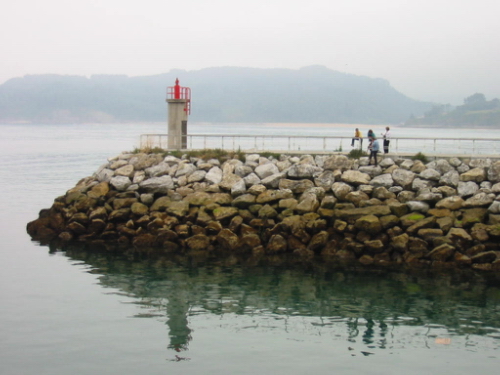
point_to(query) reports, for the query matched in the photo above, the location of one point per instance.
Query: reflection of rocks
(362, 304)
(346, 211)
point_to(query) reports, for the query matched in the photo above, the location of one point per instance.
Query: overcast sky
(437, 50)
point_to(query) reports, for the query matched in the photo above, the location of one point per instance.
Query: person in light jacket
(387, 136)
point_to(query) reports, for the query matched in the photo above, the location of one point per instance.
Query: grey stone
(147, 198)
(214, 175)
(127, 171)
(252, 158)
(452, 203)
(430, 174)
(396, 189)
(494, 208)
(355, 177)
(419, 184)
(158, 170)
(442, 166)
(118, 164)
(480, 163)
(341, 189)
(243, 170)
(455, 162)
(243, 201)
(337, 162)
(157, 184)
(466, 189)
(384, 180)
(120, 183)
(479, 199)
(417, 206)
(309, 203)
(371, 170)
(386, 162)
(325, 180)
(477, 175)
(196, 176)
(104, 175)
(303, 171)
(139, 176)
(450, 178)
(407, 164)
(494, 172)
(403, 177)
(228, 181)
(171, 160)
(273, 181)
(297, 186)
(238, 188)
(185, 169)
(265, 170)
(251, 179)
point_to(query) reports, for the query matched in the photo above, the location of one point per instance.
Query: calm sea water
(82, 312)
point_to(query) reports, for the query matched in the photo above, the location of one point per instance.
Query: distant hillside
(313, 94)
(475, 112)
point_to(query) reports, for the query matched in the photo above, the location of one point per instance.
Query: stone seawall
(443, 213)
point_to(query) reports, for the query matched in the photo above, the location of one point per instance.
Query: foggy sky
(433, 50)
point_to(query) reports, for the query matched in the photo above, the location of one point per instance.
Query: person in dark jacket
(374, 148)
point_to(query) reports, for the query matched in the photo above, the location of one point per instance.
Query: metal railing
(301, 143)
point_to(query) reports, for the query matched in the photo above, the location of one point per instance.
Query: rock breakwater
(443, 213)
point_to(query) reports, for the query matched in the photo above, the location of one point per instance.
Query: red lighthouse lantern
(178, 92)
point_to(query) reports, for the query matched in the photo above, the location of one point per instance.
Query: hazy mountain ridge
(475, 112)
(312, 94)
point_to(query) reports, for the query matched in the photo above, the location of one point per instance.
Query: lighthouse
(179, 107)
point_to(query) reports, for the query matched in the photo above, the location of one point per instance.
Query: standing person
(357, 136)
(371, 134)
(387, 136)
(374, 148)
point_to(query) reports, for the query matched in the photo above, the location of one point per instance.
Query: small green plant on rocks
(356, 154)
(268, 155)
(420, 156)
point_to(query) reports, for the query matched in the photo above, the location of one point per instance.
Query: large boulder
(494, 172)
(214, 175)
(450, 178)
(308, 203)
(334, 162)
(121, 183)
(296, 186)
(466, 189)
(403, 177)
(430, 174)
(302, 171)
(355, 177)
(477, 175)
(160, 185)
(341, 189)
(265, 170)
(228, 180)
(157, 170)
(369, 223)
(384, 180)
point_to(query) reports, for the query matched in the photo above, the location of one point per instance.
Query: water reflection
(378, 310)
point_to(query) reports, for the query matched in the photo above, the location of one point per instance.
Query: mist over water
(88, 312)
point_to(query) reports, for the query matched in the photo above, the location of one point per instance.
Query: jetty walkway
(401, 146)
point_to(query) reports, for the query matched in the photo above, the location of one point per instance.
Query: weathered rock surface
(444, 212)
